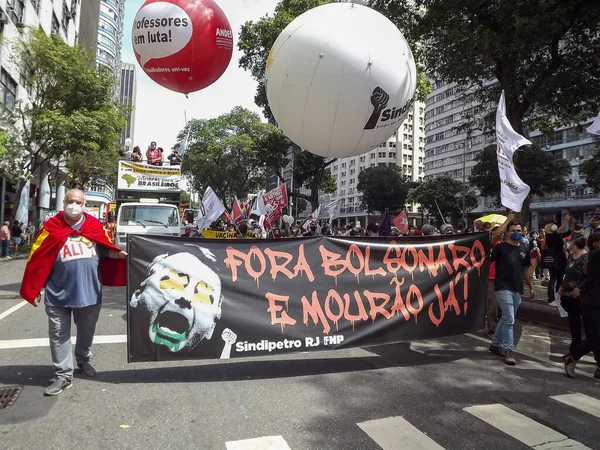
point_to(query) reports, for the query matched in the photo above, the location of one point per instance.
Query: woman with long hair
(573, 280)
(590, 311)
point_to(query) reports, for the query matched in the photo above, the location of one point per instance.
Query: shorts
(16, 240)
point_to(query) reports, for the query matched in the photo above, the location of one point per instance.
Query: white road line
(9, 311)
(545, 360)
(262, 443)
(43, 342)
(396, 433)
(522, 428)
(581, 402)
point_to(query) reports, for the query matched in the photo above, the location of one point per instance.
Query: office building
(127, 87)
(58, 18)
(89, 21)
(452, 143)
(110, 35)
(405, 149)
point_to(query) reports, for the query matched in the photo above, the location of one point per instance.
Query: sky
(160, 113)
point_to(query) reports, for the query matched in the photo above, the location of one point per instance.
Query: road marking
(9, 311)
(582, 402)
(536, 357)
(522, 428)
(396, 433)
(44, 342)
(262, 443)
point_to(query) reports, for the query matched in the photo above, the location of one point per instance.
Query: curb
(542, 314)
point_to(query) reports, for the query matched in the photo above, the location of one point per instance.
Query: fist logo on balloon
(379, 99)
(183, 45)
(336, 87)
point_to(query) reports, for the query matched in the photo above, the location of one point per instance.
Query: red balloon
(183, 45)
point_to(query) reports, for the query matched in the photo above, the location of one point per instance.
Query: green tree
(383, 187)
(442, 194)
(232, 153)
(70, 112)
(543, 172)
(311, 172)
(543, 54)
(590, 169)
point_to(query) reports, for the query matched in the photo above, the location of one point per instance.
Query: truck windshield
(148, 215)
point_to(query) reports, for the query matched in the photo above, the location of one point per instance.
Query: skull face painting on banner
(239, 298)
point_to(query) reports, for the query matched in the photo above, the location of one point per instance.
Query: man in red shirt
(153, 156)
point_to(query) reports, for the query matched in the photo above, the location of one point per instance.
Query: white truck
(147, 201)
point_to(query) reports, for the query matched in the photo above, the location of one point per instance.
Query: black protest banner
(199, 299)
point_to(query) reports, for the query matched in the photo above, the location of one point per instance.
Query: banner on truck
(139, 176)
(239, 298)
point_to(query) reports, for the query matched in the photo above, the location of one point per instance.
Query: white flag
(513, 190)
(211, 209)
(259, 208)
(332, 209)
(595, 127)
(313, 217)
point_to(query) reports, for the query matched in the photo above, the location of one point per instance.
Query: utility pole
(464, 170)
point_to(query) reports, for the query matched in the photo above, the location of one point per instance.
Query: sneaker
(570, 366)
(497, 350)
(57, 387)
(597, 372)
(509, 358)
(87, 369)
(553, 303)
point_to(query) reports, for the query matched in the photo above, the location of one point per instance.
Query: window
(66, 16)
(352, 171)
(344, 174)
(25, 78)
(343, 165)
(8, 90)
(36, 6)
(372, 156)
(381, 154)
(352, 180)
(381, 164)
(55, 26)
(362, 159)
(16, 10)
(392, 154)
(352, 162)
(343, 183)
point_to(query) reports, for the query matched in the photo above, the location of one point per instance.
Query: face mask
(515, 235)
(74, 210)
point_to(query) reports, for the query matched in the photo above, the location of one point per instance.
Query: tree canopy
(232, 153)
(590, 169)
(542, 171)
(543, 54)
(70, 115)
(383, 187)
(442, 194)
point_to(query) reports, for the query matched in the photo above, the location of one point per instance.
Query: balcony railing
(563, 197)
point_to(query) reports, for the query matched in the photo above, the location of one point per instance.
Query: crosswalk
(397, 433)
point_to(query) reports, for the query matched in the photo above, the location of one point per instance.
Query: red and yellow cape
(48, 243)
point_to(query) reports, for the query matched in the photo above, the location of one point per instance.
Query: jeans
(508, 302)
(556, 279)
(5, 248)
(591, 325)
(573, 308)
(59, 325)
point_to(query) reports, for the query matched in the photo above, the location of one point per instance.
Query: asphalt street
(449, 393)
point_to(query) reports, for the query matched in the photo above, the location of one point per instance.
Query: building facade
(88, 25)
(405, 149)
(127, 97)
(110, 35)
(452, 143)
(55, 17)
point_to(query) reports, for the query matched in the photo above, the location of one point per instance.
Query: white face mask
(74, 210)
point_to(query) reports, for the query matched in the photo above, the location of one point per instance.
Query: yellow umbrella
(493, 219)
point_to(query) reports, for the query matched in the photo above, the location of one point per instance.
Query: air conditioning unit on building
(20, 22)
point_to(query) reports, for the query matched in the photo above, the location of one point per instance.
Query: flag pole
(440, 211)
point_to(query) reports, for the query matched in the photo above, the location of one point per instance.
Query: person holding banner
(64, 260)
(512, 265)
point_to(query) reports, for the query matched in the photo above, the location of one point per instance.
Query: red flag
(401, 222)
(275, 200)
(49, 242)
(236, 211)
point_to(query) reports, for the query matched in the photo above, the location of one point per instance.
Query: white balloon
(341, 79)
(127, 142)
(288, 219)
